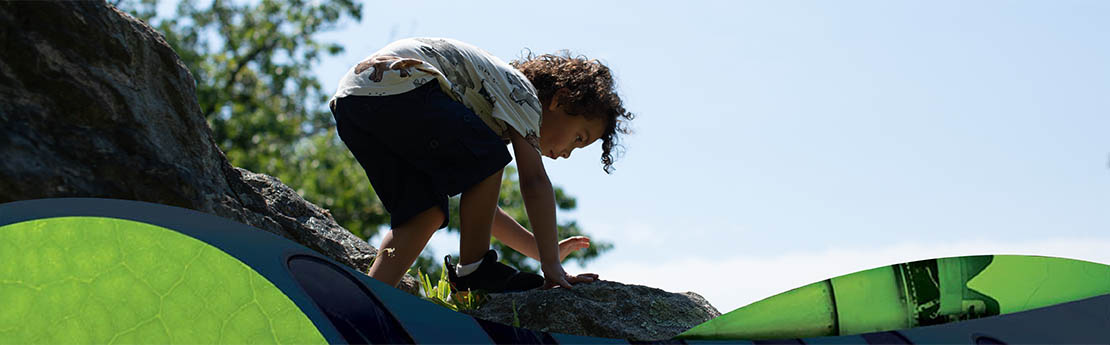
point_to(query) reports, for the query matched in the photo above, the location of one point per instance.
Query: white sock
(463, 270)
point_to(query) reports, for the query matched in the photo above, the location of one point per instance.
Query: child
(430, 118)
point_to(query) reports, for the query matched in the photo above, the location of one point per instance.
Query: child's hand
(571, 245)
(555, 276)
(383, 63)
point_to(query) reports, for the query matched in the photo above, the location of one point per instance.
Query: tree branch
(253, 54)
(247, 59)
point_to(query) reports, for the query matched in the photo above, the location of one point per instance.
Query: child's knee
(489, 184)
(426, 222)
(439, 219)
(434, 218)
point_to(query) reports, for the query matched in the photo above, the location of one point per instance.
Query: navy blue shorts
(418, 148)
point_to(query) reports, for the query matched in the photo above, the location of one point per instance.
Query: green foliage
(440, 292)
(252, 62)
(516, 320)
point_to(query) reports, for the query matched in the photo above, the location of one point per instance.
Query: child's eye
(578, 138)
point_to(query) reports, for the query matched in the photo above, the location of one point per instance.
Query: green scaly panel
(82, 280)
(1045, 281)
(907, 295)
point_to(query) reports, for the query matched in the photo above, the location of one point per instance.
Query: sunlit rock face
(601, 309)
(95, 103)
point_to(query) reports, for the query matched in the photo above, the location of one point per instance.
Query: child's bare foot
(572, 244)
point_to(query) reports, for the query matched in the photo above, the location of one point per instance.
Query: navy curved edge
(347, 306)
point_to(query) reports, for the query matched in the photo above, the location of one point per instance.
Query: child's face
(561, 133)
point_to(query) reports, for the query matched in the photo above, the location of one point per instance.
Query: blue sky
(782, 142)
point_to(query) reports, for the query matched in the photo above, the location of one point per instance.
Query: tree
(252, 62)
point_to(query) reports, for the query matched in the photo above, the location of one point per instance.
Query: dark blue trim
(264, 252)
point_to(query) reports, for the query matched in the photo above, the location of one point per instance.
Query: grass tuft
(516, 320)
(439, 292)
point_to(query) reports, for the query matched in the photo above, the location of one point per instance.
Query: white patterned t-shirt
(498, 93)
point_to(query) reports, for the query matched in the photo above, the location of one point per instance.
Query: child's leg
(400, 246)
(477, 207)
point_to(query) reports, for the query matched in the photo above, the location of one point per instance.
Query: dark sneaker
(492, 276)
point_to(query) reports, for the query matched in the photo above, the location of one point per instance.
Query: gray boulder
(95, 103)
(601, 309)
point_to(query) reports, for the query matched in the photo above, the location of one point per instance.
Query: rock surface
(95, 103)
(602, 309)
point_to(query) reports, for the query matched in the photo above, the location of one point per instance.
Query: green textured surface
(869, 301)
(803, 312)
(102, 280)
(1021, 283)
(952, 284)
(874, 300)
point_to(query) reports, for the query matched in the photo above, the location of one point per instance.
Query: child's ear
(559, 95)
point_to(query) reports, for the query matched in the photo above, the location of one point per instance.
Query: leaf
(104, 280)
(516, 320)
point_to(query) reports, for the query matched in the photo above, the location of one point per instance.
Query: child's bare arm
(512, 234)
(539, 203)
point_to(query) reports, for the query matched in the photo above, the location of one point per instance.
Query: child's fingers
(577, 242)
(583, 242)
(586, 278)
(576, 280)
(581, 245)
(560, 283)
(571, 245)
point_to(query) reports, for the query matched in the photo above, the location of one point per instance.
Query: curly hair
(592, 93)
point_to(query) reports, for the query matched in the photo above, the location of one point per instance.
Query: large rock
(95, 103)
(601, 309)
